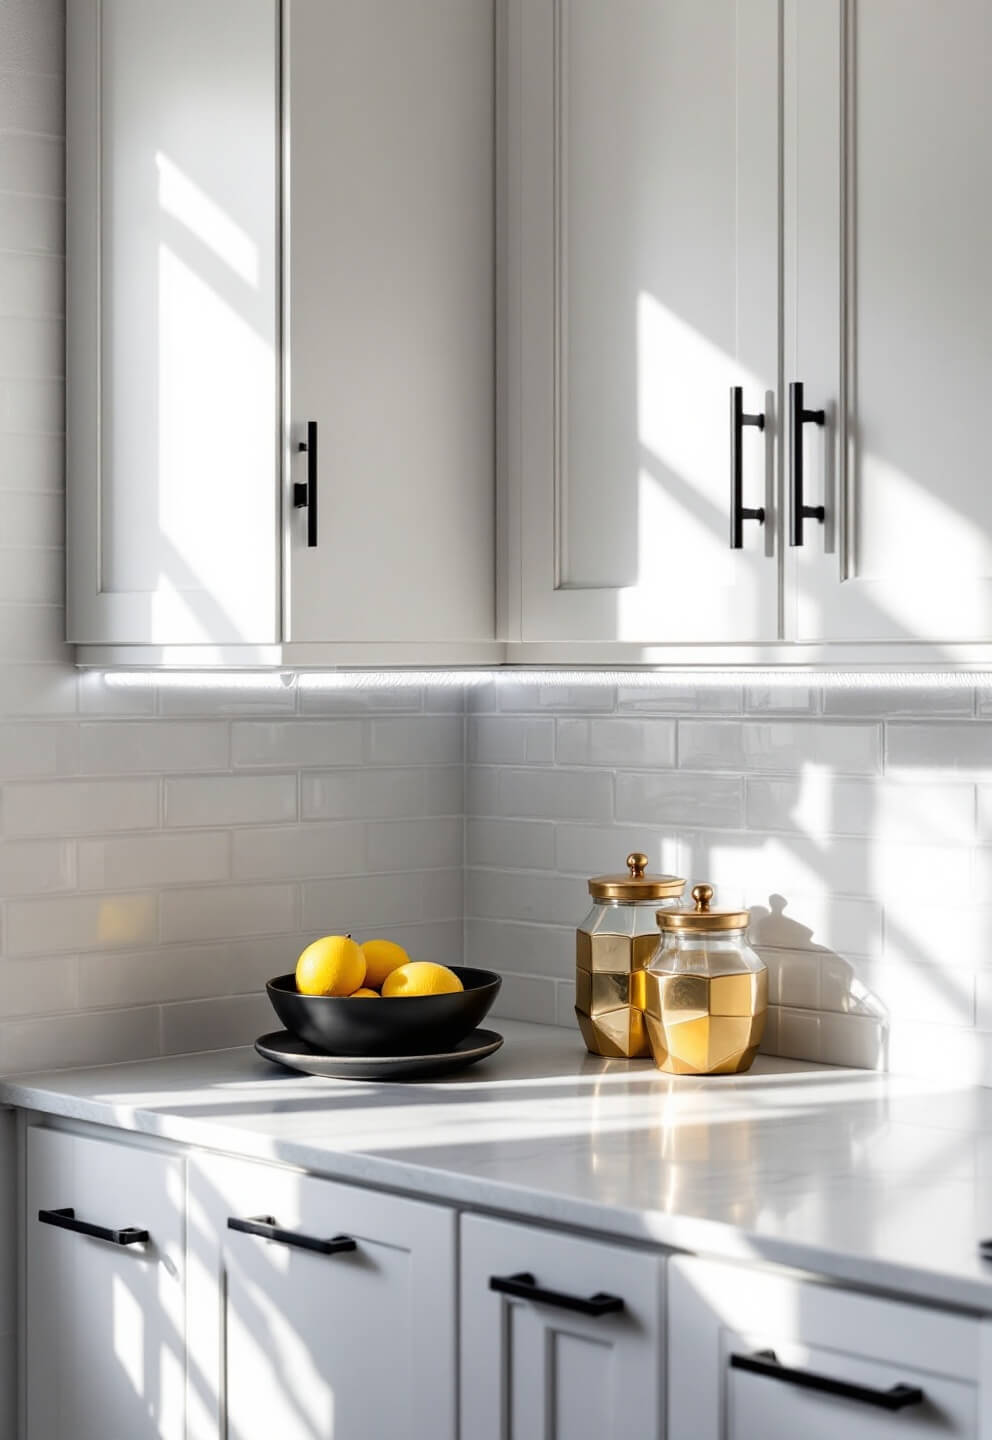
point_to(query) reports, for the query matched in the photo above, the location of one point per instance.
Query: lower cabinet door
(318, 1311)
(105, 1311)
(561, 1336)
(756, 1356)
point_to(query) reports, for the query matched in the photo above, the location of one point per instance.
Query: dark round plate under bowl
(284, 1049)
(402, 1025)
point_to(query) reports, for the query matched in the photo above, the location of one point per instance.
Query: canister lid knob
(702, 894)
(637, 863)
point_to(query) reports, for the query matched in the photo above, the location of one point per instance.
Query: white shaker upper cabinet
(889, 316)
(641, 269)
(173, 321)
(390, 321)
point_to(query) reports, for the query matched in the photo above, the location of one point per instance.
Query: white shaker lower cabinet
(756, 1356)
(105, 1308)
(318, 1311)
(561, 1336)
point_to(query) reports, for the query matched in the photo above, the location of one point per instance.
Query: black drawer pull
(525, 1287)
(266, 1227)
(66, 1220)
(766, 1363)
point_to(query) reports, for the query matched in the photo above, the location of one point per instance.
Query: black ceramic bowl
(398, 1025)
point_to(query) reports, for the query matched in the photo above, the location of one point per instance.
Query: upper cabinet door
(641, 271)
(889, 315)
(173, 321)
(390, 315)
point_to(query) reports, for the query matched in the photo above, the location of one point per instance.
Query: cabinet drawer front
(333, 1307)
(105, 1319)
(546, 1349)
(753, 1355)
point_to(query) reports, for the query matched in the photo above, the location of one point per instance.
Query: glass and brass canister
(612, 946)
(705, 991)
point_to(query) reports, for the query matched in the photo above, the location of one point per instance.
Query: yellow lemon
(382, 957)
(365, 994)
(421, 977)
(333, 965)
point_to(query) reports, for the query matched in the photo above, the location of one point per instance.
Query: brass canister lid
(702, 917)
(635, 885)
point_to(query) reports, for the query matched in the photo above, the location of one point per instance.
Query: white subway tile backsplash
(338, 848)
(517, 698)
(781, 699)
(948, 749)
(79, 807)
(36, 867)
(219, 912)
(28, 750)
(32, 223)
(705, 699)
(63, 924)
(40, 690)
(212, 800)
(382, 794)
(892, 701)
(554, 794)
(587, 850)
(416, 740)
(32, 37)
(510, 740)
(212, 1024)
(501, 945)
(117, 747)
(32, 464)
(297, 742)
(38, 984)
(519, 895)
(616, 741)
(424, 843)
(821, 805)
(680, 798)
(32, 164)
(526, 997)
(779, 745)
(526, 844)
(338, 906)
(150, 861)
(80, 1038)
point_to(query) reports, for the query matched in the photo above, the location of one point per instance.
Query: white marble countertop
(885, 1181)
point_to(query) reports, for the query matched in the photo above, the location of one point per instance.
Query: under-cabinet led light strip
(655, 679)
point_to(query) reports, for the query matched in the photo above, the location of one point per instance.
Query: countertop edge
(680, 1234)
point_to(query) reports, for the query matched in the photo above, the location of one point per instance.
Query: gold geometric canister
(612, 948)
(705, 991)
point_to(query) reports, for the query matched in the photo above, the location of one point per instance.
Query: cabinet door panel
(389, 281)
(537, 1371)
(173, 436)
(891, 327)
(105, 1340)
(348, 1345)
(719, 1311)
(642, 282)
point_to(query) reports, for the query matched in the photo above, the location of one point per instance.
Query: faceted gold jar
(705, 992)
(612, 948)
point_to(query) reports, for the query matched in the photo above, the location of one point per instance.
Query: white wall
(855, 822)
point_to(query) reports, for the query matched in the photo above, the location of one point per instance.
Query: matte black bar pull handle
(305, 494)
(66, 1220)
(266, 1227)
(798, 417)
(766, 1363)
(525, 1287)
(739, 512)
